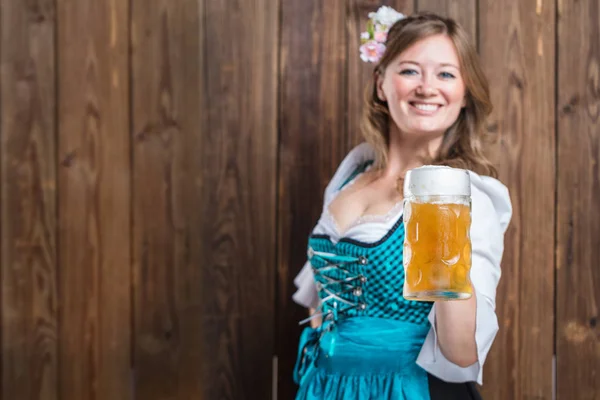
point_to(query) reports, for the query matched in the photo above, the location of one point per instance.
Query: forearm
(316, 321)
(455, 327)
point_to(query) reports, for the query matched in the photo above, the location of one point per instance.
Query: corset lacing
(338, 295)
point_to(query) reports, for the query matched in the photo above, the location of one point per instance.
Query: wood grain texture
(94, 200)
(240, 173)
(28, 200)
(167, 113)
(578, 250)
(313, 141)
(517, 41)
(462, 11)
(205, 188)
(359, 72)
(200, 203)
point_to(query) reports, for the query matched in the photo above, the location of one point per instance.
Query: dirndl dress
(368, 343)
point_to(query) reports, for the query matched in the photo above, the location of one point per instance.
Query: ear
(464, 102)
(379, 87)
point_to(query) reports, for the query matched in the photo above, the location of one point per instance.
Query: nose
(425, 88)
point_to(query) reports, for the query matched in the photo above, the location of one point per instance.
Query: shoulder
(490, 201)
(355, 158)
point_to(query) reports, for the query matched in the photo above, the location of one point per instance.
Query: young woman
(426, 104)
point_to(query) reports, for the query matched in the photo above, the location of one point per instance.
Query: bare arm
(315, 322)
(455, 327)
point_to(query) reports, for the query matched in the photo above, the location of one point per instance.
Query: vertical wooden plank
(313, 141)
(578, 252)
(517, 41)
(28, 200)
(359, 72)
(240, 240)
(239, 280)
(205, 175)
(168, 111)
(462, 11)
(94, 200)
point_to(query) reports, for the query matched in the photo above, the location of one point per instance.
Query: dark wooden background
(162, 162)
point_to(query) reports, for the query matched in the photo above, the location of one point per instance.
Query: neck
(406, 152)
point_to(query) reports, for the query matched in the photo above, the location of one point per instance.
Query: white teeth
(426, 107)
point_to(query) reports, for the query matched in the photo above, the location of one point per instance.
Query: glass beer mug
(437, 246)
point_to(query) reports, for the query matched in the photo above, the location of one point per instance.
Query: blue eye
(447, 75)
(408, 72)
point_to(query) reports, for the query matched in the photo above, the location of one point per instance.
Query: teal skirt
(362, 358)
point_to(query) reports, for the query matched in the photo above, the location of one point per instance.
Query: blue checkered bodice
(364, 279)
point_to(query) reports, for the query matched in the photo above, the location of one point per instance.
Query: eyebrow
(416, 63)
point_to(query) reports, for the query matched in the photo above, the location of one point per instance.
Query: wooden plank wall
(516, 42)
(94, 193)
(168, 130)
(29, 330)
(138, 178)
(578, 184)
(204, 171)
(162, 163)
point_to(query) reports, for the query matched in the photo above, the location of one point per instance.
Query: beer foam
(436, 180)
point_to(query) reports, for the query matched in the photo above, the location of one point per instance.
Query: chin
(425, 131)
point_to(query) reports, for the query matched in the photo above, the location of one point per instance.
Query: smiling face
(424, 88)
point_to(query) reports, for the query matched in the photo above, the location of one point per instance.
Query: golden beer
(437, 246)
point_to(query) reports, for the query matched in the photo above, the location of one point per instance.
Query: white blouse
(491, 214)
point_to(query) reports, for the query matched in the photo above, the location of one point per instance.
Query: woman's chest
(363, 200)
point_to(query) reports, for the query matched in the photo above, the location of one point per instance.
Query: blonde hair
(463, 142)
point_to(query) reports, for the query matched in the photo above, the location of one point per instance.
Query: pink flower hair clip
(373, 40)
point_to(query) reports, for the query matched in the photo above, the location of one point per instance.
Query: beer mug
(437, 246)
